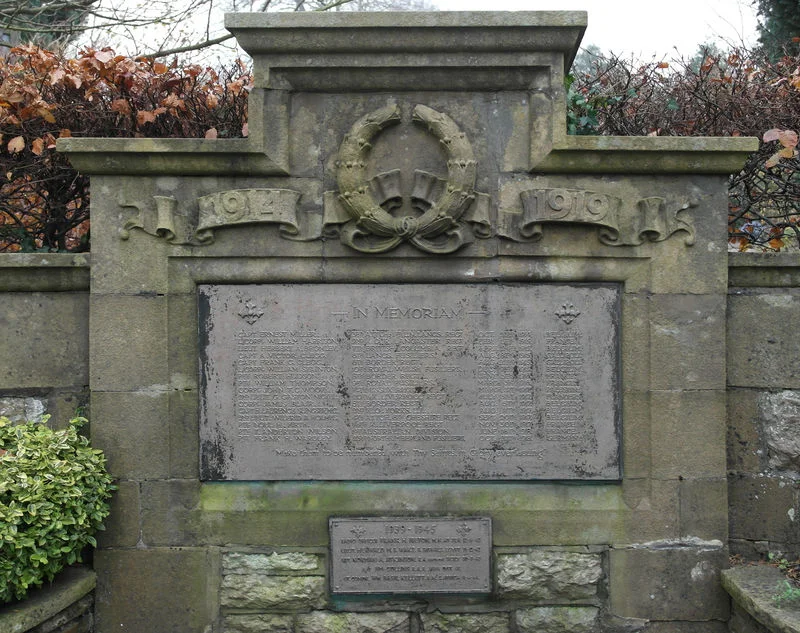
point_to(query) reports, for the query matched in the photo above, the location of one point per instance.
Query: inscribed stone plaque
(408, 555)
(416, 382)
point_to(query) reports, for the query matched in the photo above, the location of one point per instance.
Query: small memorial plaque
(409, 381)
(409, 555)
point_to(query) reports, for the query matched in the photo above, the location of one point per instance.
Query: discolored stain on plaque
(409, 382)
(409, 555)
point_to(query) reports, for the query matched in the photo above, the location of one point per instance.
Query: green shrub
(53, 497)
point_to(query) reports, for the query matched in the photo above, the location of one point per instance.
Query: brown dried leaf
(37, 146)
(771, 135)
(773, 160)
(145, 116)
(211, 133)
(75, 80)
(788, 138)
(46, 114)
(16, 144)
(121, 105)
(104, 56)
(56, 75)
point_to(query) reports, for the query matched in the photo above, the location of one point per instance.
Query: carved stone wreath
(372, 228)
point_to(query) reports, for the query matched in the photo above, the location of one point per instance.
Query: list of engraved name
(405, 383)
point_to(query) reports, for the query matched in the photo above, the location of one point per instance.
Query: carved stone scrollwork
(369, 226)
(226, 208)
(654, 220)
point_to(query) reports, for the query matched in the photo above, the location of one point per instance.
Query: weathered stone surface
(170, 590)
(276, 563)
(122, 524)
(42, 604)
(45, 339)
(763, 508)
(764, 270)
(688, 434)
(704, 508)
(687, 337)
(762, 350)
(742, 622)
(131, 430)
(260, 623)
(127, 347)
(780, 419)
(249, 591)
(169, 513)
(465, 623)
(132, 266)
(22, 409)
(543, 575)
(327, 622)
(76, 618)
(752, 588)
(744, 431)
(712, 626)
(43, 272)
(557, 620)
(669, 581)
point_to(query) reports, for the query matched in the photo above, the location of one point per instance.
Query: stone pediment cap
(409, 39)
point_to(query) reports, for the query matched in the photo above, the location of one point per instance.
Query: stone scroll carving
(654, 220)
(452, 213)
(239, 206)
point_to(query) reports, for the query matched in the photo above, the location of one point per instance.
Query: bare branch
(191, 47)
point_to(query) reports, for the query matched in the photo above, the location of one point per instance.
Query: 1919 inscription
(409, 382)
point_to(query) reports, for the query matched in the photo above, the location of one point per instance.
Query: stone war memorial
(409, 358)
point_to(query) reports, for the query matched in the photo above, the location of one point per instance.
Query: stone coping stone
(69, 586)
(752, 587)
(400, 19)
(243, 157)
(764, 260)
(45, 260)
(169, 157)
(648, 154)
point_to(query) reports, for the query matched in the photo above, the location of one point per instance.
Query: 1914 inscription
(409, 555)
(392, 382)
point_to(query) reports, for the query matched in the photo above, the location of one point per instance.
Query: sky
(630, 28)
(642, 28)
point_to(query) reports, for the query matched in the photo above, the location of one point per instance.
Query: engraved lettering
(429, 555)
(408, 389)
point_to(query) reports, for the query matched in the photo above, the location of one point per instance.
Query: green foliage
(779, 29)
(581, 111)
(53, 497)
(786, 594)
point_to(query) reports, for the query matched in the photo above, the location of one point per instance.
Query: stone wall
(538, 590)
(44, 320)
(764, 404)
